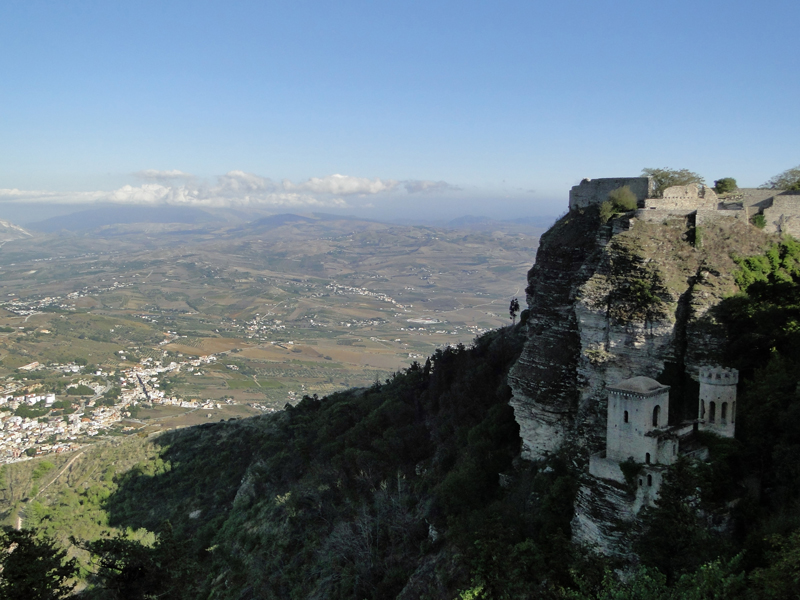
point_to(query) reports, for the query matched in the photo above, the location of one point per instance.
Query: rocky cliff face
(612, 301)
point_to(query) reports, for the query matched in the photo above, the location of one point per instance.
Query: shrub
(630, 469)
(80, 390)
(697, 237)
(725, 185)
(623, 198)
(606, 211)
(759, 221)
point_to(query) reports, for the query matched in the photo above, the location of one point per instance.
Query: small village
(59, 425)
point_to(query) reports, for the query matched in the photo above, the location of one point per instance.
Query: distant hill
(93, 218)
(273, 221)
(9, 231)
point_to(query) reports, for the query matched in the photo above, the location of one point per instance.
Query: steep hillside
(371, 493)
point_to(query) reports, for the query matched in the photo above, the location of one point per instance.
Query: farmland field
(306, 307)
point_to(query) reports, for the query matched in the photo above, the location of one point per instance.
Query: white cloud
(238, 183)
(235, 188)
(420, 187)
(342, 185)
(163, 176)
(44, 196)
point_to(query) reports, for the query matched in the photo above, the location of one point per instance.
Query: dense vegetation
(395, 490)
(346, 496)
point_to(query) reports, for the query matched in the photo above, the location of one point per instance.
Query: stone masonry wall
(685, 197)
(595, 191)
(784, 215)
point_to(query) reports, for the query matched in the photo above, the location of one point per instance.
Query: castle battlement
(718, 376)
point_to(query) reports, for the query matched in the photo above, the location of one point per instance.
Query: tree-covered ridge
(366, 492)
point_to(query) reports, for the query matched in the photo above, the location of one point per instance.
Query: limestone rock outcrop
(609, 301)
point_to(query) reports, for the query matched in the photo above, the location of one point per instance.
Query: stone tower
(637, 414)
(717, 407)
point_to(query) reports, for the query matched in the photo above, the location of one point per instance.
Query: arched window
(640, 483)
(712, 412)
(647, 458)
(626, 416)
(723, 414)
(702, 409)
(733, 411)
(650, 480)
(656, 414)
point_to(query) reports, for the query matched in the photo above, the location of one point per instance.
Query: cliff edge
(612, 300)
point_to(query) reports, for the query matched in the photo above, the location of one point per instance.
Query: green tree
(664, 178)
(781, 579)
(34, 568)
(788, 180)
(725, 185)
(673, 539)
(130, 570)
(623, 198)
(513, 309)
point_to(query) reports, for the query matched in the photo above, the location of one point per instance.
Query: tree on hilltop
(788, 180)
(664, 178)
(725, 185)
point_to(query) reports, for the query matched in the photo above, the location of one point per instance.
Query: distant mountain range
(94, 218)
(117, 219)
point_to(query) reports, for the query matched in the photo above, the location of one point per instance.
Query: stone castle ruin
(698, 202)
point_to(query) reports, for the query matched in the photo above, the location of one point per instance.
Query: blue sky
(436, 108)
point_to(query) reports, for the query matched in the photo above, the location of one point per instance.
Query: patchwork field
(306, 307)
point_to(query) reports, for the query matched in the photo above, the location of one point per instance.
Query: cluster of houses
(21, 437)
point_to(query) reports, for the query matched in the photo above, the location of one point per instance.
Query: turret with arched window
(716, 410)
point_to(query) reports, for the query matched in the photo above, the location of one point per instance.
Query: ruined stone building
(781, 208)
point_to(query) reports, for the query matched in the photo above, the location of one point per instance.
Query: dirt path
(60, 473)
(20, 518)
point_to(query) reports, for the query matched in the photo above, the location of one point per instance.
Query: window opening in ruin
(656, 414)
(723, 414)
(712, 412)
(702, 409)
(626, 416)
(640, 483)
(733, 411)
(647, 458)
(650, 480)
(674, 449)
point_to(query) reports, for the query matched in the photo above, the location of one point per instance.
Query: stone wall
(784, 214)
(656, 215)
(685, 197)
(708, 216)
(595, 191)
